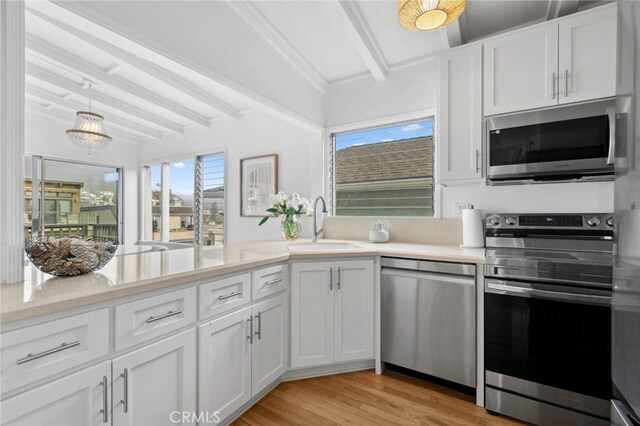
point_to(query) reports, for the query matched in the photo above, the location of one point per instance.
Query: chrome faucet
(317, 232)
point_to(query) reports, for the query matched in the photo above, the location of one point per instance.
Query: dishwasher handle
(431, 276)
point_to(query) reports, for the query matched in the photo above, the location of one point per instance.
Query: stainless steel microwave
(574, 142)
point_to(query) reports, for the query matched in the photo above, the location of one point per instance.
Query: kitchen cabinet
(151, 383)
(331, 312)
(79, 399)
(241, 354)
(459, 125)
(568, 60)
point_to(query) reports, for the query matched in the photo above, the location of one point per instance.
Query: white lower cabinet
(154, 385)
(331, 312)
(241, 354)
(79, 399)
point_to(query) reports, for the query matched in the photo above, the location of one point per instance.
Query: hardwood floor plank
(364, 398)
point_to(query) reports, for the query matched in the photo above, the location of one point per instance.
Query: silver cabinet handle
(553, 85)
(125, 399)
(163, 316)
(566, 83)
(477, 160)
(611, 113)
(230, 295)
(330, 279)
(259, 331)
(339, 279)
(62, 347)
(105, 400)
(250, 336)
(272, 282)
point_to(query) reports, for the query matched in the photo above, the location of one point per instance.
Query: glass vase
(291, 227)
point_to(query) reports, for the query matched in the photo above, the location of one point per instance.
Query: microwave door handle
(611, 113)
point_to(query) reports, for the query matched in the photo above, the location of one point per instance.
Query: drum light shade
(429, 15)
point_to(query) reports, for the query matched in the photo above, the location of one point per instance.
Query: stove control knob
(610, 221)
(494, 220)
(511, 220)
(593, 221)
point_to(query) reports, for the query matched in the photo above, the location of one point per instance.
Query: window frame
(42, 170)
(329, 189)
(146, 214)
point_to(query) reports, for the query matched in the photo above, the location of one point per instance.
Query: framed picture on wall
(258, 182)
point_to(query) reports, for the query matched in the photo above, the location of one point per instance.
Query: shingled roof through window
(403, 159)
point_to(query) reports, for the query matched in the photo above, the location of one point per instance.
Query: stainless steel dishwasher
(429, 318)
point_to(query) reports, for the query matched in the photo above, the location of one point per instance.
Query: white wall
(46, 136)
(405, 90)
(255, 133)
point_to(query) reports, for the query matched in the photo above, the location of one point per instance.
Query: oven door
(571, 141)
(549, 344)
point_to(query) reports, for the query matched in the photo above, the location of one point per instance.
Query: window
(78, 199)
(194, 188)
(386, 171)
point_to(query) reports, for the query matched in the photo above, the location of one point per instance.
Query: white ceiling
(327, 41)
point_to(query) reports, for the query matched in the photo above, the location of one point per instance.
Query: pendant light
(429, 15)
(88, 131)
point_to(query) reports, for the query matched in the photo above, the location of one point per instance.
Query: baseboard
(325, 370)
(297, 374)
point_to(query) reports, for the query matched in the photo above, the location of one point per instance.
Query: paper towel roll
(472, 232)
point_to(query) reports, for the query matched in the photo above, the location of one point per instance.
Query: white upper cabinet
(587, 60)
(521, 70)
(459, 126)
(571, 59)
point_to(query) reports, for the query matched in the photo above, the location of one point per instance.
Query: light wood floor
(364, 398)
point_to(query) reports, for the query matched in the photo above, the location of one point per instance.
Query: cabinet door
(587, 56)
(312, 289)
(270, 342)
(460, 115)
(151, 383)
(521, 70)
(78, 399)
(224, 374)
(353, 310)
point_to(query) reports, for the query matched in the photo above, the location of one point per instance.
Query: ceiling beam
(71, 86)
(254, 17)
(558, 8)
(361, 38)
(93, 72)
(68, 118)
(44, 95)
(162, 74)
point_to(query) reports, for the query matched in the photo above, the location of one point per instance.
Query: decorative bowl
(68, 256)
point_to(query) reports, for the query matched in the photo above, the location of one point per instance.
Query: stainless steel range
(547, 317)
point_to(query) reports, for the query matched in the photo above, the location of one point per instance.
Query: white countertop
(131, 274)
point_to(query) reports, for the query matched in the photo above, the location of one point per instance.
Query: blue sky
(385, 134)
(181, 175)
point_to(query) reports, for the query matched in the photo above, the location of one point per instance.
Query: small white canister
(379, 232)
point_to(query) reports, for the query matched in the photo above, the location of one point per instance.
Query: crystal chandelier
(428, 15)
(89, 131)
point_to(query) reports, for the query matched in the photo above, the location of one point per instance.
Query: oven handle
(501, 287)
(611, 113)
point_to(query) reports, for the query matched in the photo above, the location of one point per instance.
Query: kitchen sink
(320, 247)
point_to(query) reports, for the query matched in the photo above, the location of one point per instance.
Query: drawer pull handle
(62, 347)
(163, 316)
(230, 295)
(272, 282)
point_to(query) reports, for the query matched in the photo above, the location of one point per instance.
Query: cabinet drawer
(268, 281)
(42, 350)
(224, 295)
(154, 316)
